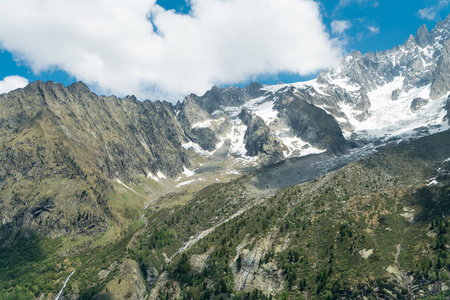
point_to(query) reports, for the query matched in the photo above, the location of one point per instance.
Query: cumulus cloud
(431, 13)
(137, 47)
(340, 26)
(11, 83)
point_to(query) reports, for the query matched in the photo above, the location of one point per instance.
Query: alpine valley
(338, 187)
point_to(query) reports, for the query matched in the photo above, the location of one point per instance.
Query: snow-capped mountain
(373, 98)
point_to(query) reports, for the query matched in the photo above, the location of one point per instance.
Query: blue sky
(364, 25)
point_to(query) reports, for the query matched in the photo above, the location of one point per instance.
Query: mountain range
(309, 189)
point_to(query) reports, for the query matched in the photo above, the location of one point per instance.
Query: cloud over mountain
(138, 47)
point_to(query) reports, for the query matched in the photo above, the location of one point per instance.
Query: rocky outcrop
(258, 139)
(130, 137)
(417, 103)
(129, 284)
(200, 261)
(251, 271)
(164, 286)
(151, 276)
(396, 94)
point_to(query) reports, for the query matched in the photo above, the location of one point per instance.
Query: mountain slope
(62, 148)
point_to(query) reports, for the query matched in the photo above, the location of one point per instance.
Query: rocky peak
(423, 37)
(41, 86)
(78, 87)
(254, 89)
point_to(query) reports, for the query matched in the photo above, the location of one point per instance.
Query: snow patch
(207, 123)
(220, 144)
(296, 146)
(394, 118)
(187, 172)
(126, 186)
(231, 172)
(345, 83)
(236, 136)
(275, 88)
(263, 109)
(198, 149)
(432, 181)
(161, 175)
(185, 183)
(150, 175)
(120, 182)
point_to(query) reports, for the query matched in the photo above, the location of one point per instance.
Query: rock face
(441, 80)
(423, 37)
(251, 272)
(314, 125)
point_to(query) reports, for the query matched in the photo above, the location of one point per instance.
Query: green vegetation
(361, 231)
(21, 263)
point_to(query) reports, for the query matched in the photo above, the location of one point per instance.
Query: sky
(167, 49)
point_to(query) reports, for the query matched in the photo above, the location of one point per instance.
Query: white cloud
(431, 13)
(11, 83)
(428, 13)
(339, 26)
(374, 29)
(112, 44)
